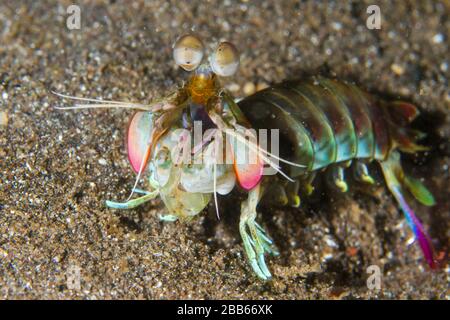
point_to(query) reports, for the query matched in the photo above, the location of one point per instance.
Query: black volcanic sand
(57, 168)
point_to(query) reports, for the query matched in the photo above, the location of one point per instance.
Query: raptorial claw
(262, 264)
(256, 242)
(255, 247)
(250, 247)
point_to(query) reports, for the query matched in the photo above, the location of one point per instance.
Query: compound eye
(188, 52)
(225, 60)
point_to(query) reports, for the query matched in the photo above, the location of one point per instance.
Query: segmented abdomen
(323, 121)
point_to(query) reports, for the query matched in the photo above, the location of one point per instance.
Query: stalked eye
(188, 52)
(225, 60)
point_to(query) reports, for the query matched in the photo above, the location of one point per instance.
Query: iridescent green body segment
(361, 121)
(333, 121)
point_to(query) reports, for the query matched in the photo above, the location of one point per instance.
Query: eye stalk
(188, 52)
(225, 59)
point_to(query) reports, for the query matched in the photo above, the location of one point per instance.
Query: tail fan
(396, 180)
